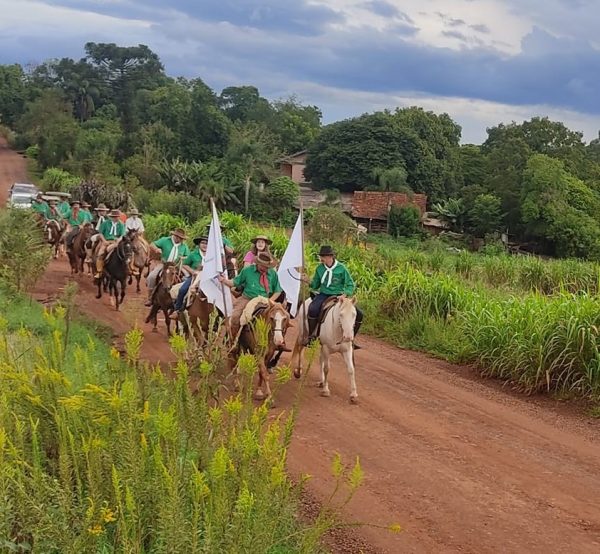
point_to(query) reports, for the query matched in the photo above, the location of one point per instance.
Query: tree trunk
(246, 193)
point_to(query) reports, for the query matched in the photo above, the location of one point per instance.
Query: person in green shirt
(331, 278)
(191, 265)
(53, 212)
(63, 207)
(85, 210)
(230, 259)
(170, 249)
(111, 230)
(258, 279)
(75, 220)
(39, 205)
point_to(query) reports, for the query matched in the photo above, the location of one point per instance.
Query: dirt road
(463, 465)
(12, 169)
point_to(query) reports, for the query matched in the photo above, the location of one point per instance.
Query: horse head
(279, 320)
(169, 276)
(125, 249)
(347, 317)
(52, 230)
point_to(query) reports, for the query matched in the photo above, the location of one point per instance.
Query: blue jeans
(315, 309)
(181, 294)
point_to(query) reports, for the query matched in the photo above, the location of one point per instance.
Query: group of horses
(130, 258)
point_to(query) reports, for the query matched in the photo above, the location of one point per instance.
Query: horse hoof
(259, 395)
(319, 384)
(297, 374)
(325, 393)
(354, 399)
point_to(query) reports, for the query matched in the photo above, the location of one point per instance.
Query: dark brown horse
(274, 320)
(161, 298)
(141, 258)
(54, 231)
(197, 322)
(76, 250)
(116, 271)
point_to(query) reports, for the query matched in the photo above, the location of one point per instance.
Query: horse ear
(271, 302)
(354, 300)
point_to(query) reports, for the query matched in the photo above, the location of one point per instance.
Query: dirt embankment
(460, 463)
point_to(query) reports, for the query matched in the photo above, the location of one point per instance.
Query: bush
(404, 221)
(277, 203)
(32, 151)
(173, 203)
(330, 225)
(160, 225)
(23, 253)
(55, 179)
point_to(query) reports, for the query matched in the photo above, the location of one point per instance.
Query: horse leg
(152, 318)
(99, 294)
(167, 321)
(138, 278)
(324, 372)
(296, 361)
(348, 355)
(123, 288)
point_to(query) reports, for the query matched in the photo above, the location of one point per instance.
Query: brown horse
(76, 250)
(116, 271)
(198, 315)
(141, 258)
(54, 232)
(161, 298)
(276, 320)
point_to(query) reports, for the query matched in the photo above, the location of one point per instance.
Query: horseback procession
(202, 288)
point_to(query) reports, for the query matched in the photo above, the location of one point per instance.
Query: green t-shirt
(80, 219)
(40, 208)
(341, 282)
(249, 280)
(166, 244)
(64, 209)
(87, 215)
(54, 214)
(194, 259)
(106, 229)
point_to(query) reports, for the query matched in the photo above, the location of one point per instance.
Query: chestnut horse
(54, 232)
(161, 297)
(76, 250)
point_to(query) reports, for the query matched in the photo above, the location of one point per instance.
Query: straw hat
(179, 233)
(101, 208)
(266, 260)
(75, 202)
(114, 213)
(261, 237)
(198, 240)
(85, 204)
(133, 211)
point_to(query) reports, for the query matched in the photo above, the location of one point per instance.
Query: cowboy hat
(114, 213)
(60, 194)
(133, 211)
(265, 259)
(73, 202)
(326, 251)
(179, 233)
(261, 237)
(210, 225)
(198, 240)
(101, 208)
(85, 204)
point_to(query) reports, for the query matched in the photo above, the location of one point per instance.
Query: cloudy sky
(482, 61)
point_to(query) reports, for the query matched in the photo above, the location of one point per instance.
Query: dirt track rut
(463, 465)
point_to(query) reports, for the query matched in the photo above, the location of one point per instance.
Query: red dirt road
(461, 464)
(12, 169)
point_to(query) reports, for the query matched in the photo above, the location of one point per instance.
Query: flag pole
(220, 250)
(302, 295)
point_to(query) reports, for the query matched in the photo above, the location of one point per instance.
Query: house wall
(286, 170)
(374, 205)
(297, 171)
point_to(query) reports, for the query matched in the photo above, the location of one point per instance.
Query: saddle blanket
(251, 307)
(189, 297)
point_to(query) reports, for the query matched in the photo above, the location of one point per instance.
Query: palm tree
(453, 211)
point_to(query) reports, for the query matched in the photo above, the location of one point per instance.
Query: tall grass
(101, 453)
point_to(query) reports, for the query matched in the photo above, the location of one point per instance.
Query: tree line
(114, 117)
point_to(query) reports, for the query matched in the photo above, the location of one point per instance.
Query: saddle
(255, 307)
(325, 309)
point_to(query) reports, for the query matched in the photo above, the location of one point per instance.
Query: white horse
(336, 335)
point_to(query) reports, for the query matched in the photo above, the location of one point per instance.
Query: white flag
(289, 276)
(212, 266)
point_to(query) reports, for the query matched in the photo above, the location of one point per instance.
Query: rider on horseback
(134, 222)
(39, 205)
(75, 219)
(85, 210)
(191, 265)
(63, 207)
(258, 279)
(111, 231)
(331, 278)
(260, 243)
(170, 249)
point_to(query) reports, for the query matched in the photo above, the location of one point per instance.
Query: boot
(312, 327)
(357, 325)
(148, 302)
(99, 268)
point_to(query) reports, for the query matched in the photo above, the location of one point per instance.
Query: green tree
(12, 93)
(390, 180)
(404, 221)
(452, 211)
(253, 150)
(295, 124)
(485, 215)
(244, 104)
